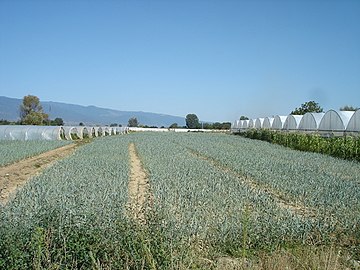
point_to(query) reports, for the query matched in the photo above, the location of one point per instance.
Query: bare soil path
(15, 175)
(139, 187)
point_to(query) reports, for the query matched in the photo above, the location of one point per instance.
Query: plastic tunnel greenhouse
(259, 123)
(279, 122)
(268, 121)
(354, 122)
(311, 121)
(292, 122)
(24, 133)
(335, 120)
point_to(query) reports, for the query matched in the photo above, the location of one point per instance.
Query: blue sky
(217, 59)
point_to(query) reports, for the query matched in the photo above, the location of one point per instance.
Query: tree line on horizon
(31, 113)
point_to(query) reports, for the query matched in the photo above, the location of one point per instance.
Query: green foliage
(133, 122)
(346, 147)
(310, 106)
(174, 125)
(57, 122)
(31, 111)
(244, 117)
(192, 121)
(348, 108)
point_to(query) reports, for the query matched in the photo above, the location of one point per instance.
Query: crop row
(328, 185)
(73, 211)
(12, 151)
(202, 202)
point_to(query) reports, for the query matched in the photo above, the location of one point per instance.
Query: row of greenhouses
(330, 122)
(27, 133)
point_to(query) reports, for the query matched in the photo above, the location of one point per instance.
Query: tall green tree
(31, 111)
(133, 122)
(192, 121)
(244, 117)
(310, 106)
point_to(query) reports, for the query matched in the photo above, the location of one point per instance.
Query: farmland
(209, 197)
(12, 151)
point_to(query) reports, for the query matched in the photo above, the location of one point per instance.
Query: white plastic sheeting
(292, 122)
(311, 121)
(24, 132)
(268, 121)
(259, 122)
(245, 124)
(251, 123)
(279, 121)
(335, 120)
(354, 122)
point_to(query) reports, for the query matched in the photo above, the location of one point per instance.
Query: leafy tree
(348, 108)
(57, 122)
(81, 124)
(310, 106)
(31, 111)
(133, 122)
(174, 125)
(244, 117)
(192, 121)
(226, 125)
(113, 125)
(4, 122)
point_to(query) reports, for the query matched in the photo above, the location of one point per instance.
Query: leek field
(217, 202)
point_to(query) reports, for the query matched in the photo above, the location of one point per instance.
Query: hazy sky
(217, 59)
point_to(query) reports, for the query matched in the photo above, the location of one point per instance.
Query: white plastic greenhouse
(251, 123)
(245, 124)
(292, 122)
(310, 121)
(279, 121)
(24, 133)
(14, 132)
(268, 121)
(259, 122)
(335, 120)
(354, 123)
(331, 123)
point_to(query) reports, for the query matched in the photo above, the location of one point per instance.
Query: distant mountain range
(89, 115)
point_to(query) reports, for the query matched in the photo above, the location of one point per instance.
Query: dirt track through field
(279, 198)
(15, 175)
(139, 188)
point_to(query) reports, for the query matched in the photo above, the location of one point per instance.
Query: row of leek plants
(73, 215)
(328, 185)
(12, 151)
(211, 211)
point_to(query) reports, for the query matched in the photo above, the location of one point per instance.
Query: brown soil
(15, 175)
(139, 187)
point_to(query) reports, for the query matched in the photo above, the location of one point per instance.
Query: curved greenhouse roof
(259, 122)
(251, 123)
(24, 133)
(335, 120)
(292, 122)
(268, 121)
(279, 121)
(310, 121)
(354, 122)
(245, 124)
